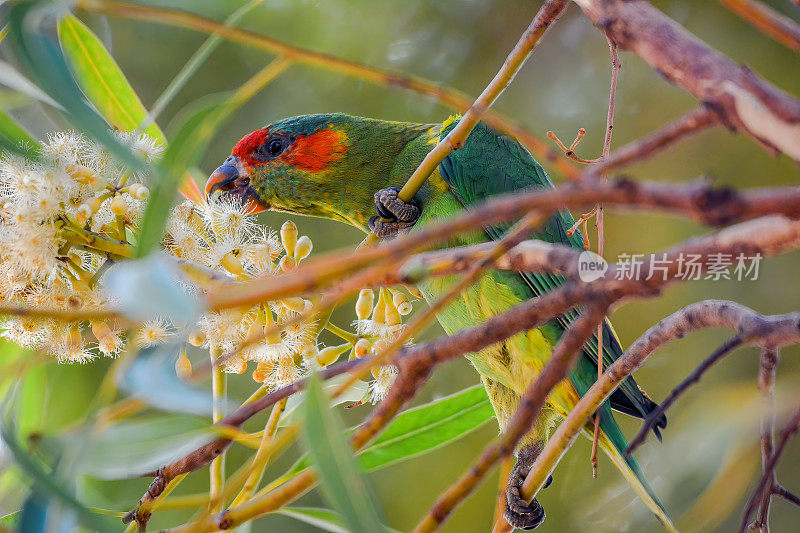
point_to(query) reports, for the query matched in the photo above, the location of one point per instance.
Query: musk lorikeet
(342, 167)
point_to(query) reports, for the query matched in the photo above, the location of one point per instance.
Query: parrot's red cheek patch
(313, 153)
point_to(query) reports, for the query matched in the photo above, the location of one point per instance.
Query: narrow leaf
(427, 427)
(131, 448)
(423, 429)
(323, 519)
(331, 454)
(101, 79)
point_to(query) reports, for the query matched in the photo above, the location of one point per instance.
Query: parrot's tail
(613, 443)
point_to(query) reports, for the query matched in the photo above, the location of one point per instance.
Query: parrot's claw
(390, 207)
(519, 513)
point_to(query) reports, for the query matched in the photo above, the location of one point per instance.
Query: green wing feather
(490, 164)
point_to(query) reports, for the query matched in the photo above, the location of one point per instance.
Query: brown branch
(744, 101)
(792, 427)
(779, 27)
(698, 201)
(695, 121)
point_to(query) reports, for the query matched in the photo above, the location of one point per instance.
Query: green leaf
(323, 519)
(423, 429)
(100, 79)
(132, 448)
(427, 427)
(47, 485)
(332, 456)
(353, 394)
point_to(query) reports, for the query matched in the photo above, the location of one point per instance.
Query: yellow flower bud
(330, 354)
(74, 336)
(139, 191)
(289, 237)
(232, 264)
(379, 313)
(362, 348)
(295, 304)
(392, 315)
(288, 263)
(100, 330)
(197, 338)
(401, 302)
(366, 299)
(303, 248)
(260, 373)
(119, 206)
(183, 367)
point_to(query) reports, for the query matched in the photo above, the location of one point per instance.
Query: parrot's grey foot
(519, 513)
(390, 207)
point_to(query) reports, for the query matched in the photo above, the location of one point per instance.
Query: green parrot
(346, 168)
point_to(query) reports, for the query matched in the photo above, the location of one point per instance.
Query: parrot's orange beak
(230, 181)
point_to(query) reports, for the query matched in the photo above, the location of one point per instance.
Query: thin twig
(695, 121)
(655, 415)
(792, 427)
(766, 386)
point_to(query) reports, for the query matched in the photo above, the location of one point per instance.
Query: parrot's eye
(272, 148)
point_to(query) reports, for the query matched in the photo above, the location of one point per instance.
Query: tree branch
(744, 101)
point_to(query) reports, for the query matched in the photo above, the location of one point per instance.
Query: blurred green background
(713, 431)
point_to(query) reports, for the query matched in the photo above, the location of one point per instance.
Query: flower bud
(295, 304)
(119, 206)
(303, 248)
(183, 367)
(100, 330)
(379, 313)
(232, 264)
(330, 354)
(401, 302)
(260, 373)
(139, 191)
(362, 348)
(289, 237)
(366, 299)
(197, 338)
(287, 264)
(392, 315)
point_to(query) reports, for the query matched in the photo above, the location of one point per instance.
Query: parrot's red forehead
(311, 153)
(250, 143)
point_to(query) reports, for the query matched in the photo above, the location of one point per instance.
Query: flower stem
(262, 455)
(217, 467)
